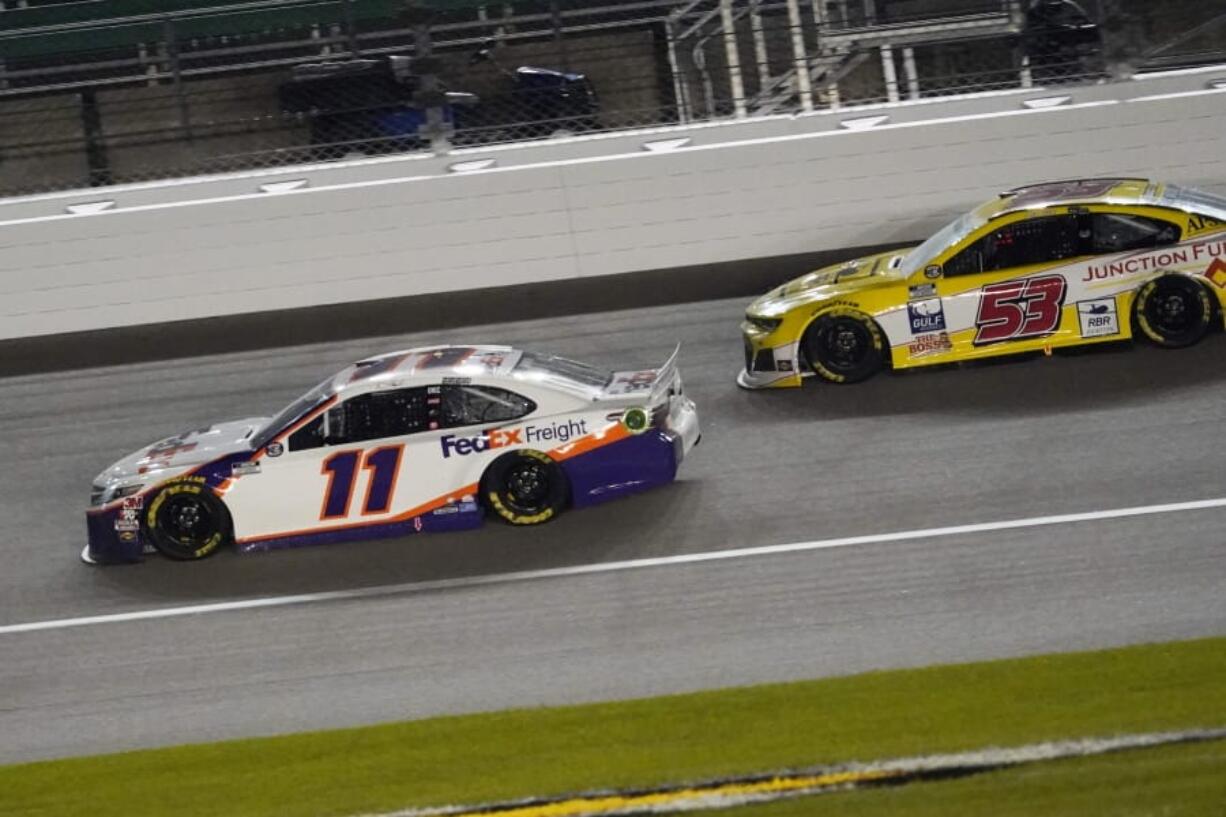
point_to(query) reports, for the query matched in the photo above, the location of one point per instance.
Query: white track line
(609, 567)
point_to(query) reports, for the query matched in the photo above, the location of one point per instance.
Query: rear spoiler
(649, 382)
(666, 376)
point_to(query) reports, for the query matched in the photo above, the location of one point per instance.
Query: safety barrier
(581, 207)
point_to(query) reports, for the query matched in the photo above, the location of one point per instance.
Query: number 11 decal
(341, 470)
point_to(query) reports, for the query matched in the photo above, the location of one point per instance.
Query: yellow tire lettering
(843, 312)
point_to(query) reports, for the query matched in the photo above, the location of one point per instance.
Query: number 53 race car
(1050, 265)
(419, 440)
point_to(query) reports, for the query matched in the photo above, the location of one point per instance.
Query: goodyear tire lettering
(544, 503)
(177, 547)
(872, 363)
(1172, 285)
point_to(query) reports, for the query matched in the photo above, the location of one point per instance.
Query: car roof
(427, 363)
(462, 364)
(1071, 192)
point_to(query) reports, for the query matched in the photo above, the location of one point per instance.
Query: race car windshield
(292, 412)
(942, 239)
(1198, 201)
(563, 367)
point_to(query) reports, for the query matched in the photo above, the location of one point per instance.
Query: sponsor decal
(930, 344)
(457, 381)
(135, 502)
(628, 382)
(922, 291)
(240, 469)
(926, 316)
(1201, 224)
(932, 271)
(1217, 273)
(127, 520)
(1098, 318)
(364, 371)
(160, 455)
(490, 439)
(444, 358)
(491, 361)
(783, 365)
(445, 510)
(1155, 261)
(274, 449)
(1057, 191)
(127, 536)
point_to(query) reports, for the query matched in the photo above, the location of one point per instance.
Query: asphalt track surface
(1117, 428)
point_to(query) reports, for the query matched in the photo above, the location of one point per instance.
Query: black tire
(1172, 312)
(525, 487)
(187, 521)
(844, 346)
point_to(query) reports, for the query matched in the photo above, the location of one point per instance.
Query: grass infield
(540, 752)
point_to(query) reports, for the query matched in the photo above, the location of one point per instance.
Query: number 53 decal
(1025, 308)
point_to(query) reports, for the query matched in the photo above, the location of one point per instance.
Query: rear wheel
(525, 488)
(845, 347)
(1173, 311)
(186, 521)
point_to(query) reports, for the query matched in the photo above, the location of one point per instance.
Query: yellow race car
(1040, 267)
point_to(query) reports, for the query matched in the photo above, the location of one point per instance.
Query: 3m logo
(1217, 273)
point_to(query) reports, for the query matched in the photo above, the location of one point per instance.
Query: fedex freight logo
(503, 437)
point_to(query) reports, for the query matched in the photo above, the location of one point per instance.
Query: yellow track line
(594, 805)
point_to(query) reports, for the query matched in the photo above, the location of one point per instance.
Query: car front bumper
(769, 362)
(111, 536)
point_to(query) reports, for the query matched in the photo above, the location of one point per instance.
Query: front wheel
(844, 347)
(187, 521)
(525, 488)
(1173, 311)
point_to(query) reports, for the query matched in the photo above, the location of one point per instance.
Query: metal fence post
(430, 93)
(804, 83)
(759, 44)
(172, 58)
(889, 72)
(351, 32)
(555, 20)
(734, 59)
(96, 160)
(681, 89)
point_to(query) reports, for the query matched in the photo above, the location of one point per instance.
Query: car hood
(830, 282)
(184, 450)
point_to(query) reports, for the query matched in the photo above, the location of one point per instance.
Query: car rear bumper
(683, 426)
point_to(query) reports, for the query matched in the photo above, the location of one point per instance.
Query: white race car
(419, 440)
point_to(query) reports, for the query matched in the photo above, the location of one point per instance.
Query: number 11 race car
(1050, 265)
(420, 440)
